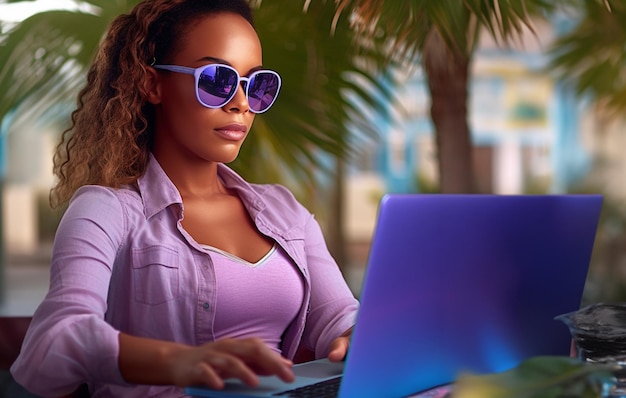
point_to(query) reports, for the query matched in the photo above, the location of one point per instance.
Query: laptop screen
(467, 283)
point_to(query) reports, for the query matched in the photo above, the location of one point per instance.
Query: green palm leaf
(590, 55)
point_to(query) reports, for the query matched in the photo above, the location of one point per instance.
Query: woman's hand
(339, 347)
(213, 362)
(148, 361)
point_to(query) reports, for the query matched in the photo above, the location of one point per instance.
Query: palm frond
(406, 24)
(39, 51)
(590, 56)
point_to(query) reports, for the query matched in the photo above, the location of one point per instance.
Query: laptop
(457, 283)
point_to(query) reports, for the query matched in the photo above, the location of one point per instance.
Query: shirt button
(205, 306)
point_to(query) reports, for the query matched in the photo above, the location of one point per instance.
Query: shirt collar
(158, 191)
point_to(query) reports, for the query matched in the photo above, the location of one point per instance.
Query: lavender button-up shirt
(123, 262)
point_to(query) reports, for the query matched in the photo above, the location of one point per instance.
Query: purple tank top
(255, 300)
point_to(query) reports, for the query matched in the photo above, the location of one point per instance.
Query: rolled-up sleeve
(333, 307)
(69, 342)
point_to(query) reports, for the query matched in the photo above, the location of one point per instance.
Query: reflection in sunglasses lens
(215, 85)
(262, 91)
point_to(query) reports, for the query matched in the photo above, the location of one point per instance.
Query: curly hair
(111, 132)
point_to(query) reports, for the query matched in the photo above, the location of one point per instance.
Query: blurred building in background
(531, 135)
(27, 169)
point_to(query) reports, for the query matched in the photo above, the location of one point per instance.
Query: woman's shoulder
(127, 193)
(107, 199)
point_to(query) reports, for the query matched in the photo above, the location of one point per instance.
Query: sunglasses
(216, 85)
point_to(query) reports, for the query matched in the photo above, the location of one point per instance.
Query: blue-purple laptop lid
(467, 283)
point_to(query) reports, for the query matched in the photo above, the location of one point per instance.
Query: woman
(168, 268)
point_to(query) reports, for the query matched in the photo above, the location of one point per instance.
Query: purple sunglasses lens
(262, 91)
(216, 85)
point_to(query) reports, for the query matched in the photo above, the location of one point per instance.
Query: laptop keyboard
(324, 389)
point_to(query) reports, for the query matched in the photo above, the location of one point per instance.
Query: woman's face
(185, 129)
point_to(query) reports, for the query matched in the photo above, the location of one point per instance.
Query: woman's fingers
(227, 366)
(339, 349)
(243, 359)
(205, 374)
(261, 359)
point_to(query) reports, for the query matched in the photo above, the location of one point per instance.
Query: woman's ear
(152, 86)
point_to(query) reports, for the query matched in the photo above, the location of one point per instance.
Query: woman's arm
(68, 342)
(148, 361)
(333, 305)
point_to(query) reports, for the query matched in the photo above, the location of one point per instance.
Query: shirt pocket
(155, 274)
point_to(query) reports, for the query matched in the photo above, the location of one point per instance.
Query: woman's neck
(192, 176)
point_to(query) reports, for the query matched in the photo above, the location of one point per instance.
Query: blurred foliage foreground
(541, 377)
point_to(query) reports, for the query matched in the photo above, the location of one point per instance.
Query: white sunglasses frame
(196, 72)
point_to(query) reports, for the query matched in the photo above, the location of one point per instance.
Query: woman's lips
(232, 132)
